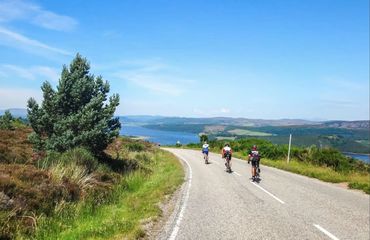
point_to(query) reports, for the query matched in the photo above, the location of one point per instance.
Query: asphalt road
(215, 204)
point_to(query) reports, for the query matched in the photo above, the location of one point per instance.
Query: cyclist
(226, 154)
(205, 150)
(254, 157)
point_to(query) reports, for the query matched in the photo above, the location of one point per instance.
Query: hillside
(347, 124)
(245, 122)
(159, 120)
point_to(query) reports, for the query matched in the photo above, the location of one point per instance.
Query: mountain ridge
(245, 122)
(237, 121)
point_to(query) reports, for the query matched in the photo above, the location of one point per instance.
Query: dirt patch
(162, 227)
(154, 228)
(342, 185)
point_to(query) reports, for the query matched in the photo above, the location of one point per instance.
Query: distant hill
(227, 121)
(159, 120)
(348, 124)
(16, 112)
(243, 122)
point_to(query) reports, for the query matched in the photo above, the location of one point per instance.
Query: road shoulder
(170, 207)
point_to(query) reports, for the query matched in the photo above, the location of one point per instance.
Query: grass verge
(135, 199)
(355, 180)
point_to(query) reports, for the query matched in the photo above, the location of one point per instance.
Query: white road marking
(237, 173)
(181, 214)
(326, 232)
(272, 195)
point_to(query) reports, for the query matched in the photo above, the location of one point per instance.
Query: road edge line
(326, 232)
(176, 228)
(272, 195)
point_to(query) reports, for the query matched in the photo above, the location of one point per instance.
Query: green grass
(226, 138)
(364, 142)
(355, 180)
(245, 132)
(134, 200)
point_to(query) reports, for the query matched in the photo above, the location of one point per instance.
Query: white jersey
(205, 146)
(254, 152)
(226, 149)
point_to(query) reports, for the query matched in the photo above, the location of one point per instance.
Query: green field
(364, 142)
(226, 138)
(245, 132)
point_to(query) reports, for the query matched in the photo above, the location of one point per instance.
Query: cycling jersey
(254, 156)
(226, 150)
(205, 148)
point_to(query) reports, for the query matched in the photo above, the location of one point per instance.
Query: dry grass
(14, 146)
(62, 185)
(135, 199)
(28, 192)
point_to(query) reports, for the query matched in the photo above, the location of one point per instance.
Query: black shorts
(255, 163)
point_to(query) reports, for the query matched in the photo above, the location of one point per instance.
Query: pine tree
(203, 138)
(77, 113)
(6, 121)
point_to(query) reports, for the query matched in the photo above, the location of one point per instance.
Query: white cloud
(224, 110)
(198, 111)
(53, 21)
(17, 98)
(13, 39)
(154, 76)
(51, 74)
(31, 73)
(10, 70)
(155, 83)
(12, 10)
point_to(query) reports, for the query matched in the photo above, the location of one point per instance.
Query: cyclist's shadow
(257, 180)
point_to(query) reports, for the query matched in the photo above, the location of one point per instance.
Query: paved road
(218, 205)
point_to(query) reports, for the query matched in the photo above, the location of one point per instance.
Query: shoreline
(367, 154)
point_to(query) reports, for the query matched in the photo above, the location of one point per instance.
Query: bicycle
(227, 163)
(256, 177)
(205, 157)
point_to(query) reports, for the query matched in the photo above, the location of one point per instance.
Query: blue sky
(239, 58)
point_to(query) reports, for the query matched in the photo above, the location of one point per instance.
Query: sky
(267, 59)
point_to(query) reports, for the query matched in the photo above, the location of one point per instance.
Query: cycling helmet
(227, 145)
(254, 147)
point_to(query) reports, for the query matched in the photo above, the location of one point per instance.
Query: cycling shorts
(255, 163)
(205, 152)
